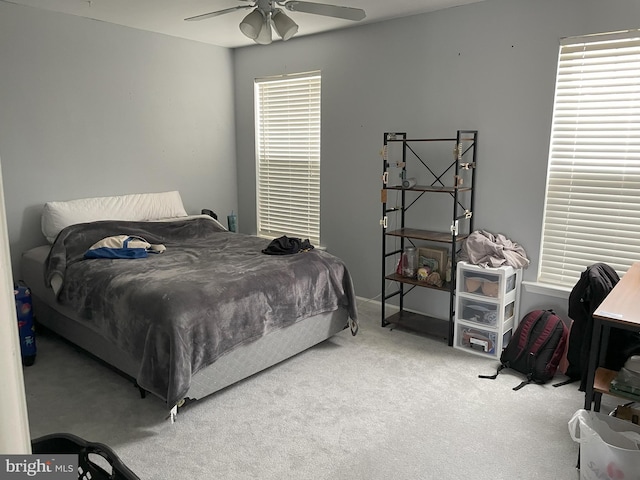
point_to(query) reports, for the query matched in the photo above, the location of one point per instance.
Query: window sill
(547, 289)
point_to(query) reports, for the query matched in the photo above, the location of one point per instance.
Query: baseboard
(377, 302)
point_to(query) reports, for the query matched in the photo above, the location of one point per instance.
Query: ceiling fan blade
(347, 13)
(215, 14)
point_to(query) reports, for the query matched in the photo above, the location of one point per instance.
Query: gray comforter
(211, 291)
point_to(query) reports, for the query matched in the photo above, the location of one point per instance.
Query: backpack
(595, 283)
(536, 347)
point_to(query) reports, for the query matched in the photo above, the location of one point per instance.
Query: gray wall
(489, 66)
(89, 108)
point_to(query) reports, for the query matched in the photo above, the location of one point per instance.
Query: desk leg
(594, 357)
(605, 333)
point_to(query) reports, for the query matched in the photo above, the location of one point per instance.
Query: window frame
(288, 155)
(593, 171)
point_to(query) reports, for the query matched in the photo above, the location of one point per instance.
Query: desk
(620, 309)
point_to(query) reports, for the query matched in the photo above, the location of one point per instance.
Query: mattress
(236, 365)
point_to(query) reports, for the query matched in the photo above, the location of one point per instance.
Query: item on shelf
(409, 182)
(627, 383)
(409, 262)
(423, 274)
(633, 364)
(434, 279)
(430, 263)
(439, 255)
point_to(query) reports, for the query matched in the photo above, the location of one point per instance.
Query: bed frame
(240, 363)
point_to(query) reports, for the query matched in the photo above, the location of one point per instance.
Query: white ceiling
(167, 16)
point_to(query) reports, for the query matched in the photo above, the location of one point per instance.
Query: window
(592, 207)
(288, 156)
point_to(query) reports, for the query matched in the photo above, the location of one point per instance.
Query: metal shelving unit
(456, 180)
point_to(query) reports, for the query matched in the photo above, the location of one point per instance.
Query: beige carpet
(381, 405)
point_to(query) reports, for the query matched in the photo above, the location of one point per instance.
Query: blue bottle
(26, 328)
(232, 222)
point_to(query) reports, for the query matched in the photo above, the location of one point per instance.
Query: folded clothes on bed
(122, 246)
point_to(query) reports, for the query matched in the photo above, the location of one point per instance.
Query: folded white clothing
(128, 241)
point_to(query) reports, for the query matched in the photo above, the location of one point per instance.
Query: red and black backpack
(536, 347)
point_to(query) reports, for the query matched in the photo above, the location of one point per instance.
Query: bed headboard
(134, 207)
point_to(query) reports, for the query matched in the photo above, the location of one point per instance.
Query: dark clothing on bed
(286, 246)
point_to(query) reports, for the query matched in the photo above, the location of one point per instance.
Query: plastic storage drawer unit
(487, 303)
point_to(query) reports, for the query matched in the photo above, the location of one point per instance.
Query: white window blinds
(288, 156)
(592, 208)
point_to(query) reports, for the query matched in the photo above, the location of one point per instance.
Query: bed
(210, 310)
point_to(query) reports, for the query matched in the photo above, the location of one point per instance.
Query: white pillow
(134, 207)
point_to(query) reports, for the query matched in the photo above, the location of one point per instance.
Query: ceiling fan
(265, 13)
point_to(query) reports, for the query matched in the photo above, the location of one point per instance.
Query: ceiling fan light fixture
(257, 24)
(252, 25)
(264, 36)
(284, 26)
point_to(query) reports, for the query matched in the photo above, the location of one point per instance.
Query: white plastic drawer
(483, 313)
(477, 339)
(471, 310)
(487, 282)
(480, 341)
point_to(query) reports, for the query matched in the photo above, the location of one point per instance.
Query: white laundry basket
(609, 446)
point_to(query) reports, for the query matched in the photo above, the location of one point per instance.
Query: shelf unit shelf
(431, 188)
(455, 181)
(412, 281)
(602, 384)
(427, 235)
(430, 326)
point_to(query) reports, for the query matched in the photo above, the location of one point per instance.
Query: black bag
(92, 457)
(590, 290)
(287, 246)
(595, 283)
(536, 347)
